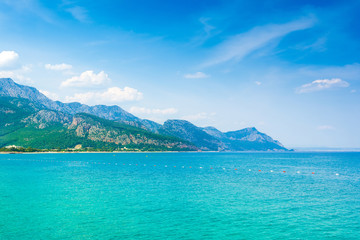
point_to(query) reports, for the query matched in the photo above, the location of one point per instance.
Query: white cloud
(241, 45)
(52, 96)
(87, 78)
(111, 95)
(322, 84)
(196, 75)
(116, 94)
(15, 76)
(199, 116)
(258, 83)
(58, 67)
(8, 59)
(26, 68)
(325, 127)
(142, 110)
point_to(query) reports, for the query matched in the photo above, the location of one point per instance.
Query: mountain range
(30, 119)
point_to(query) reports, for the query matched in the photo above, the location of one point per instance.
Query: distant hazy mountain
(188, 131)
(30, 119)
(251, 139)
(210, 138)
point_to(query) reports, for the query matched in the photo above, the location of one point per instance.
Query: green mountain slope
(29, 125)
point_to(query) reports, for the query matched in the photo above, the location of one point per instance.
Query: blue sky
(289, 68)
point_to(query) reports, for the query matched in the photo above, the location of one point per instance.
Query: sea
(246, 195)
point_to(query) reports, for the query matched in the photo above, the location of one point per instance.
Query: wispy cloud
(322, 84)
(199, 116)
(111, 95)
(196, 75)
(17, 76)
(206, 32)
(32, 6)
(50, 95)
(142, 110)
(239, 46)
(79, 13)
(207, 27)
(319, 45)
(325, 127)
(87, 78)
(58, 67)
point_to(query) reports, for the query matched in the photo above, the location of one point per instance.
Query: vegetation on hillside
(19, 128)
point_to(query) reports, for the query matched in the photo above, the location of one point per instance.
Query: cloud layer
(87, 78)
(322, 84)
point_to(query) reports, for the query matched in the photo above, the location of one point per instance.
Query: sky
(289, 68)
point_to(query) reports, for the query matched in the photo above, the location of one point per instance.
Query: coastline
(294, 151)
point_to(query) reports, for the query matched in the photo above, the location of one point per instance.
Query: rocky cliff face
(97, 129)
(45, 118)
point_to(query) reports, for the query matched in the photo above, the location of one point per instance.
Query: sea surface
(290, 195)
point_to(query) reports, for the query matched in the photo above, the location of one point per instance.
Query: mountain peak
(9, 88)
(249, 129)
(251, 134)
(7, 79)
(179, 121)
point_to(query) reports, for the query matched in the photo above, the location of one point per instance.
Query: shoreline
(295, 151)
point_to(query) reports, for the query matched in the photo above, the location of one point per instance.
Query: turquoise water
(180, 196)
